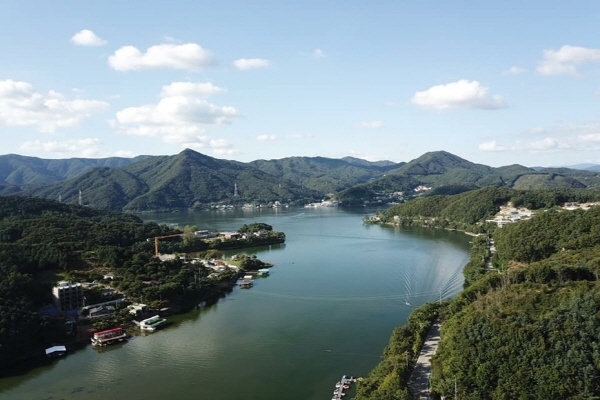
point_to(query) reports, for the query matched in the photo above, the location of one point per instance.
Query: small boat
(56, 351)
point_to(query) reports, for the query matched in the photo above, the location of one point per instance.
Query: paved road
(419, 379)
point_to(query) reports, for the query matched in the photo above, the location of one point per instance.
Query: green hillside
(185, 180)
(191, 179)
(325, 175)
(525, 326)
(21, 170)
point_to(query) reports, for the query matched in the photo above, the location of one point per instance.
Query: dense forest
(43, 242)
(468, 211)
(524, 328)
(194, 180)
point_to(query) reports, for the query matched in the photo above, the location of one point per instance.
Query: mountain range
(191, 179)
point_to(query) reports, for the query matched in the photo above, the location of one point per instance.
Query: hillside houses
(508, 214)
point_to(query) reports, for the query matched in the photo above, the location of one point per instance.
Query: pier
(342, 385)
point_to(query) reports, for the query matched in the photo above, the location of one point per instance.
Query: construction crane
(156, 253)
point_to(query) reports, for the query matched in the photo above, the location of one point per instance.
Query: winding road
(418, 382)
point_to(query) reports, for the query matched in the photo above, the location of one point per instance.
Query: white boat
(153, 323)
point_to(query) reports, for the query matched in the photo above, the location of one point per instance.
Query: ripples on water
(337, 290)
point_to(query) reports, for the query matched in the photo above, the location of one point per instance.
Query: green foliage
(40, 238)
(251, 263)
(469, 210)
(324, 175)
(193, 180)
(464, 211)
(388, 380)
(255, 227)
(547, 234)
(530, 331)
(526, 329)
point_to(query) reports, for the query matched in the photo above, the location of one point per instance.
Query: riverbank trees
(468, 211)
(527, 327)
(43, 242)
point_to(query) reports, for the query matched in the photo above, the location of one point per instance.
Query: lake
(337, 290)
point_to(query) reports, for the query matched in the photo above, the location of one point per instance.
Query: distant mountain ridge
(18, 170)
(191, 179)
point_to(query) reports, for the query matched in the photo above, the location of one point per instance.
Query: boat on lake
(56, 351)
(153, 323)
(109, 336)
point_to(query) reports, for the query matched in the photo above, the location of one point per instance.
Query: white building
(68, 296)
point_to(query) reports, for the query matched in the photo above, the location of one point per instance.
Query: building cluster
(508, 215)
(422, 188)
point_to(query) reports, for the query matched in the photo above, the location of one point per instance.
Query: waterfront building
(68, 296)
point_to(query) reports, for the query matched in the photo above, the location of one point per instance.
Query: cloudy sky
(496, 83)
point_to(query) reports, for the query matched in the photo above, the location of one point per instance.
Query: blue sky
(496, 83)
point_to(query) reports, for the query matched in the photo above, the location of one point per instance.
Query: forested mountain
(19, 170)
(447, 173)
(469, 210)
(326, 175)
(172, 182)
(191, 179)
(365, 163)
(529, 331)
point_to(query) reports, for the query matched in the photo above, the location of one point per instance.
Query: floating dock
(341, 386)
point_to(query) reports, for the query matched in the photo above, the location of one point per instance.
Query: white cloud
(88, 147)
(566, 59)
(190, 89)
(370, 124)
(21, 105)
(300, 136)
(572, 137)
(188, 56)
(364, 156)
(125, 153)
(514, 71)
(318, 53)
(251, 63)
(85, 37)
(180, 116)
(546, 144)
(459, 94)
(219, 147)
(491, 146)
(263, 138)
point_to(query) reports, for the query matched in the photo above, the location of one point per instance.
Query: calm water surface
(337, 290)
